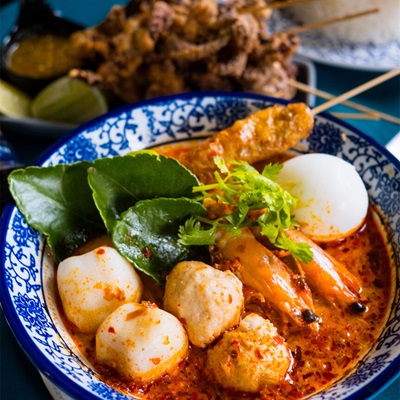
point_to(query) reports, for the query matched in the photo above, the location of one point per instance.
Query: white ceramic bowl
(27, 272)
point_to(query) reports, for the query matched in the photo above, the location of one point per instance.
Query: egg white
(332, 198)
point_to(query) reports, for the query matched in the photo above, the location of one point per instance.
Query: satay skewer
(355, 91)
(373, 114)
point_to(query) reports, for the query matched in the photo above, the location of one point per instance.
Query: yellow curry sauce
(319, 357)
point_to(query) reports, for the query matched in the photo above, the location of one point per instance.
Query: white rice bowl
(377, 28)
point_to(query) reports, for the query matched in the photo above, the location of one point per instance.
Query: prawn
(327, 276)
(261, 270)
(264, 133)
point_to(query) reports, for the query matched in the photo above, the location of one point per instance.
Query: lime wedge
(69, 100)
(14, 102)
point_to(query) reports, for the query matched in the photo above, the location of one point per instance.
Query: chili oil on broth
(320, 358)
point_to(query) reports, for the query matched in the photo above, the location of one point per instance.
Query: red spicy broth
(320, 358)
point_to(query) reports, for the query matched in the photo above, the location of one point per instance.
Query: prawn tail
(325, 275)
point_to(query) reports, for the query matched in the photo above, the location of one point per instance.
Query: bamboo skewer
(374, 114)
(273, 5)
(288, 3)
(354, 92)
(315, 25)
(343, 115)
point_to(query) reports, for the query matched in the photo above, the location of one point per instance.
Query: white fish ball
(141, 341)
(207, 301)
(93, 285)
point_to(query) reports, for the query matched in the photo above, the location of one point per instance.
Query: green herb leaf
(119, 182)
(192, 233)
(57, 201)
(302, 251)
(244, 189)
(147, 234)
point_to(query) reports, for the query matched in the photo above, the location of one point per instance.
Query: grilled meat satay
(267, 132)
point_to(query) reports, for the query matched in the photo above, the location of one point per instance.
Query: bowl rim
(44, 365)
(221, 94)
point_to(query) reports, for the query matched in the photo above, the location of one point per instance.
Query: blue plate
(341, 53)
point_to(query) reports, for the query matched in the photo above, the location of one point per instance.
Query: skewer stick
(284, 4)
(354, 92)
(273, 5)
(374, 114)
(343, 115)
(315, 25)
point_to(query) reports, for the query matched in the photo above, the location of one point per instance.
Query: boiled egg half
(332, 198)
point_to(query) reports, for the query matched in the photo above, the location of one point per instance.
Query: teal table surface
(19, 379)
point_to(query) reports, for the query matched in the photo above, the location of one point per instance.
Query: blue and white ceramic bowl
(28, 272)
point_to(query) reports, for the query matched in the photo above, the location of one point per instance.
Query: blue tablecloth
(19, 379)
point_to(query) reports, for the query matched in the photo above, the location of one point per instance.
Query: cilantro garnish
(254, 199)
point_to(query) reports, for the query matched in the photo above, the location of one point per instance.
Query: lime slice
(69, 100)
(14, 102)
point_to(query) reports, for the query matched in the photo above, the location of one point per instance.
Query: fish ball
(250, 357)
(94, 284)
(141, 341)
(207, 301)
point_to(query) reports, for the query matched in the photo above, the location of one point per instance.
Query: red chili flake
(100, 251)
(136, 313)
(235, 348)
(155, 361)
(258, 354)
(328, 376)
(235, 264)
(230, 299)
(235, 342)
(111, 329)
(146, 252)
(279, 339)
